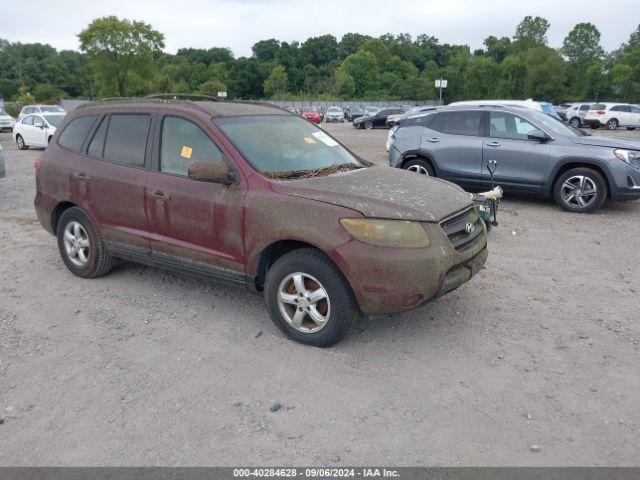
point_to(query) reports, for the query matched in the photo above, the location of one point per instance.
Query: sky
(238, 24)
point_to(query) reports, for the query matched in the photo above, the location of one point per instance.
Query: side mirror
(538, 135)
(39, 125)
(215, 171)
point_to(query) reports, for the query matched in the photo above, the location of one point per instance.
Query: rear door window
(126, 141)
(184, 143)
(462, 123)
(75, 132)
(620, 108)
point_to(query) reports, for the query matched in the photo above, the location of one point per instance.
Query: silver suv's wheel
(580, 190)
(309, 299)
(304, 302)
(419, 166)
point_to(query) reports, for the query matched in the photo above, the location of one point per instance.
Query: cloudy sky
(238, 24)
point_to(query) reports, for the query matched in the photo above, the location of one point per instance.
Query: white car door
(39, 132)
(26, 130)
(634, 117)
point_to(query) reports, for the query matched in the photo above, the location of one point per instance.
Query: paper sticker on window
(309, 140)
(186, 152)
(324, 138)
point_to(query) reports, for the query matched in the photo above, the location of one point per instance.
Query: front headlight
(632, 157)
(387, 233)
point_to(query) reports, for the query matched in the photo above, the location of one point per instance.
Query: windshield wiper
(313, 172)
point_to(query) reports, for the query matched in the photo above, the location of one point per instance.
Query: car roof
(215, 109)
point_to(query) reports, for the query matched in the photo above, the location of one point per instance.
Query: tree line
(119, 57)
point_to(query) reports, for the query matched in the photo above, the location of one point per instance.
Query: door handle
(81, 176)
(433, 139)
(159, 195)
(493, 144)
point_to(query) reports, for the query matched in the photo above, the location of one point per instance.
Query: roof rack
(182, 96)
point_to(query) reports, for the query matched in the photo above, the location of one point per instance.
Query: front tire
(368, 125)
(309, 299)
(580, 190)
(81, 245)
(20, 142)
(574, 122)
(419, 166)
(612, 124)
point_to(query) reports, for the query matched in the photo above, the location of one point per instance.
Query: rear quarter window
(73, 135)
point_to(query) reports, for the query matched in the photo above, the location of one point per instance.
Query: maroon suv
(253, 195)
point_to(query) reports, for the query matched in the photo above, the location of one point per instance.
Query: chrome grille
(456, 229)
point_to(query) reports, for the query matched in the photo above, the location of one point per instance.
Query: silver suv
(535, 155)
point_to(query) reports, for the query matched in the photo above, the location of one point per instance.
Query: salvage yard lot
(142, 366)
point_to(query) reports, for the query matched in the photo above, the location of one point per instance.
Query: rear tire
(420, 166)
(81, 245)
(315, 272)
(612, 124)
(580, 190)
(20, 142)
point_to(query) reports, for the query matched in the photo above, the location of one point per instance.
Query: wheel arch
(572, 163)
(271, 253)
(418, 154)
(57, 212)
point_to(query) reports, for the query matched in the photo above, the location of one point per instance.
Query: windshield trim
(362, 163)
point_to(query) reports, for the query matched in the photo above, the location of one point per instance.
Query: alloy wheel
(579, 191)
(304, 302)
(418, 169)
(20, 142)
(76, 243)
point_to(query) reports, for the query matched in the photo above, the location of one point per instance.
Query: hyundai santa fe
(256, 196)
(532, 154)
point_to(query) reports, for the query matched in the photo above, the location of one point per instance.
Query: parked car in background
(36, 130)
(395, 118)
(334, 114)
(352, 112)
(562, 109)
(575, 114)
(2, 169)
(217, 189)
(613, 115)
(311, 113)
(544, 107)
(6, 121)
(535, 155)
(377, 120)
(31, 109)
(371, 110)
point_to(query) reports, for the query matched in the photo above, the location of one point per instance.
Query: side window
(620, 108)
(38, 121)
(183, 143)
(28, 110)
(75, 132)
(96, 146)
(436, 122)
(28, 120)
(635, 109)
(126, 141)
(507, 125)
(584, 108)
(462, 123)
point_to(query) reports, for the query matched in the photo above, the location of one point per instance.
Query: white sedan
(6, 121)
(36, 130)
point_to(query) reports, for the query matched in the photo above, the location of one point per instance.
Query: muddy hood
(382, 193)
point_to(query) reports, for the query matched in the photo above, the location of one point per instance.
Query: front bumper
(387, 280)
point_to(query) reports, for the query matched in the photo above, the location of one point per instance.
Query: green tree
(596, 82)
(212, 87)
(45, 93)
(582, 44)
(480, 77)
(622, 80)
(275, 86)
(362, 66)
(266, 50)
(116, 49)
(497, 48)
(531, 31)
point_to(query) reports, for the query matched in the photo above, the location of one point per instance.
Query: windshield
(51, 108)
(554, 126)
(54, 120)
(279, 143)
(335, 110)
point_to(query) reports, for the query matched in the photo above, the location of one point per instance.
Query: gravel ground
(534, 362)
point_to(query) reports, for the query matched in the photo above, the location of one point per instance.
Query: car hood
(381, 192)
(607, 142)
